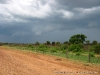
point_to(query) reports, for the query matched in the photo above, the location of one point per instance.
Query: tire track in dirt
(14, 62)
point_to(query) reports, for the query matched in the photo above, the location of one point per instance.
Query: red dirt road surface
(16, 62)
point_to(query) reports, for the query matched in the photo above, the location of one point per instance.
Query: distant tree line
(76, 43)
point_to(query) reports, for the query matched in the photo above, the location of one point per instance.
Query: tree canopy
(78, 38)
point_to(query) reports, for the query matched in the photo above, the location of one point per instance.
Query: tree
(37, 43)
(58, 43)
(88, 42)
(53, 43)
(66, 42)
(48, 43)
(94, 42)
(78, 38)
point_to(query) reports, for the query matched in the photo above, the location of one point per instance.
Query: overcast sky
(28, 21)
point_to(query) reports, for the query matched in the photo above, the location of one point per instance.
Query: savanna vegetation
(77, 48)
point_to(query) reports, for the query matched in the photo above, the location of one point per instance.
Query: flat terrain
(16, 62)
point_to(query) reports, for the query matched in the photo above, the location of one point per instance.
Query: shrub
(58, 43)
(74, 48)
(30, 46)
(64, 51)
(92, 54)
(81, 45)
(91, 48)
(53, 50)
(63, 47)
(78, 54)
(97, 48)
(42, 47)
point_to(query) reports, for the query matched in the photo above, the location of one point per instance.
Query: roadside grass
(72, 56)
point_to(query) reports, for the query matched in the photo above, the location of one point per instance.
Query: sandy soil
(16, 62)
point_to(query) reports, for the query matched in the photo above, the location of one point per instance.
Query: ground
(17, 62)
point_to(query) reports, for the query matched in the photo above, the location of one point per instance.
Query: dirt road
(15, 62)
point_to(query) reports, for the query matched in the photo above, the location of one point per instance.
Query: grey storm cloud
(79, 3)
(3, 1)
(42, 20)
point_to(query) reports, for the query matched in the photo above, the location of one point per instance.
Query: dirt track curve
(15, 62)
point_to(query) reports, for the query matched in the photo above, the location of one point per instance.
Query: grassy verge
(72, 56)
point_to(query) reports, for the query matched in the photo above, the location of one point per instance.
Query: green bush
(58, 43)
(92, 54)
(91, 48)
(30, 46)
(43, 48)
(78, 54)
(74, 48)
(97, 48)
(81, 45)
(58, 48)
(53, 50)
(64, 51)
(63, 47)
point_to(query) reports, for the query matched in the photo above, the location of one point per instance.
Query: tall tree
(78, 38)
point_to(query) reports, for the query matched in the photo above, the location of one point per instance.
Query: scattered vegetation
(75, 49)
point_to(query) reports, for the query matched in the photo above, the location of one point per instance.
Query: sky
(28, 21)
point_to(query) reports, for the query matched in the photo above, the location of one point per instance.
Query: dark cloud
(42, 20)
(79, 3)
